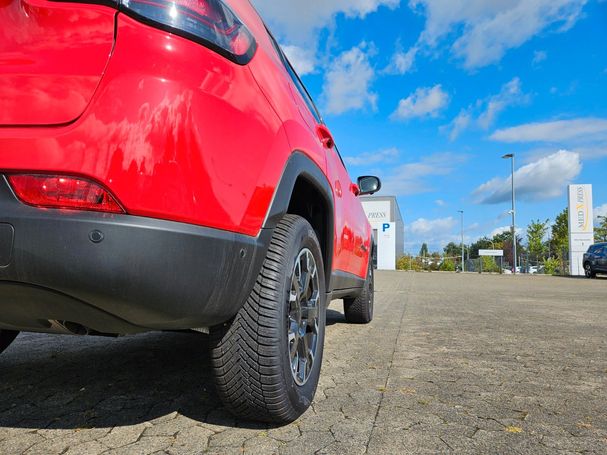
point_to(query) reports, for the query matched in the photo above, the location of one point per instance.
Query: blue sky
(429, 94)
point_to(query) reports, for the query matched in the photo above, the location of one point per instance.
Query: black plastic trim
(154, 274)
(346, 284)
(300, 166)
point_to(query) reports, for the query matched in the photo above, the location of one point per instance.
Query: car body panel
(52, 57)
(176, 133)
(188, 140)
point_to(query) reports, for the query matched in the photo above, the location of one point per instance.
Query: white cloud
(424, 102)
(459, 124)
(436, 233)
(300, 21)
(559, 130)
(416, 177)
(500, 230)
(440, 202)
(487, 110)
(592, 151)
(545, 178)
(539, 57)
(486, 30)
(599, 211)
(432, 228)
(347, 83)
(509, 95)
(402, 62)
(368, 158)
(303, 60)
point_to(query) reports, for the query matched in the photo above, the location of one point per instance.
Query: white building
(388, 229)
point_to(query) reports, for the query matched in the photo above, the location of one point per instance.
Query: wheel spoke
(310, 312)
(296, 286)
(310, 350)
(294, 363)
(301, 369)
(293, 296)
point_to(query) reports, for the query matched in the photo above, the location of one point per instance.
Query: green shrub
(448, 265)
(551, 266)
(489, 264)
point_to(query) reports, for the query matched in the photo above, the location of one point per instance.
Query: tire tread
(245, 354)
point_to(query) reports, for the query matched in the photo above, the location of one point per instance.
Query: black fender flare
(301, 166)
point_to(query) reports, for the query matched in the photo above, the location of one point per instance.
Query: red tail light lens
(63, 192)
(209, 22)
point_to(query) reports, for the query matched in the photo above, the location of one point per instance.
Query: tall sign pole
(511, 157)
(581, 226)
(463, 258)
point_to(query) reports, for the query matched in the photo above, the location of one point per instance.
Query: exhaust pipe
(73, 328)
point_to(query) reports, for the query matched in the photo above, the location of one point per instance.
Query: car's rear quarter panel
(174, 130)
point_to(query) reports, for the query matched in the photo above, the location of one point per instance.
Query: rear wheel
(267, 360)
(6, 338)
(588, 271)
(360, 309)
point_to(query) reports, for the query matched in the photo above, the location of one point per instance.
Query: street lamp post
(510, 156)
(463, 258)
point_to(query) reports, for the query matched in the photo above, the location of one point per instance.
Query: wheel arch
(305, 191)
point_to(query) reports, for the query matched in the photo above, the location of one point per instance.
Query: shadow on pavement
(335, 317)
(66, 382)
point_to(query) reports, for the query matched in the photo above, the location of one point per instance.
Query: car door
(601, 258)
(362, 246)
(353, 237)
(344, 234)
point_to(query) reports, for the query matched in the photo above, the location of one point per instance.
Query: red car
(162, 167)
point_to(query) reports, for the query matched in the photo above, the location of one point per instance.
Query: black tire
(251, 356)
(6, 338)
(588, 271)
(360, 309)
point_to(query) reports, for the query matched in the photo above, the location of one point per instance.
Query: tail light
(209, 22)
(63, 192)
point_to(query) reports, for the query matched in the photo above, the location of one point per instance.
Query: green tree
(559, 240)
(423, 252)
(536, 231)
(481, 244)
(452, 250)
(600, 232)
(504, 241)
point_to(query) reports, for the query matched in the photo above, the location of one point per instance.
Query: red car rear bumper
(118, 274)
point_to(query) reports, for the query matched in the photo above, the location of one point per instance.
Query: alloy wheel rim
(303, 321)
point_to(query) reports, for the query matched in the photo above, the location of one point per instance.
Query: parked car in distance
(162, 167)
(595, 260)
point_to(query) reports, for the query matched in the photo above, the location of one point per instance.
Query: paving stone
(453, 363)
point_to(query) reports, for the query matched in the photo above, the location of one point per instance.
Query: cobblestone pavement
(451, 364)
